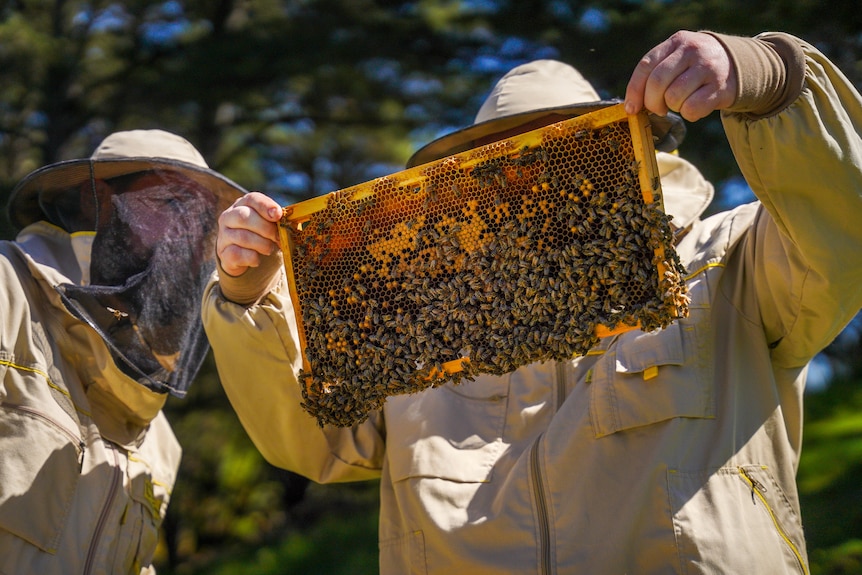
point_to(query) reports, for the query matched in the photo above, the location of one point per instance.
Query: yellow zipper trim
(703, 269)
(30, 369)
(756, 488)
(50, 383)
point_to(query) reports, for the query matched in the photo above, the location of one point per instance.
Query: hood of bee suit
(150, 204)
(556, 91)
(686, 192)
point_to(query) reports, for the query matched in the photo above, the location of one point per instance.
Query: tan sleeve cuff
(248, 287)
(770, 72)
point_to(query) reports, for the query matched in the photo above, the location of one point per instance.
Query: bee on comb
(527, 249)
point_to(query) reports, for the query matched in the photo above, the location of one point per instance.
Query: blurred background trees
(301, 97)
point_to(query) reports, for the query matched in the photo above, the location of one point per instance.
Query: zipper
(75, 438)
(546, 566)
(541, 510)
(560, 384)
(545, 558)
(103, 516)
(758, 491)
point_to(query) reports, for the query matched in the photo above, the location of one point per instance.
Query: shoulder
(13, 293)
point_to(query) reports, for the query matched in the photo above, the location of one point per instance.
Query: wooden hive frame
(528, 249)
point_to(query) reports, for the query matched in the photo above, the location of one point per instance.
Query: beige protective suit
(88, 458)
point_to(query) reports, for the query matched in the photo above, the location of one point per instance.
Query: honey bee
(118, 315)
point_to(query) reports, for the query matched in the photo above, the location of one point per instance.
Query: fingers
(247, 231)
(689, 73)
(635, 100)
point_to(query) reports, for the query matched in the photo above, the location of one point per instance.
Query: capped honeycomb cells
(478, 263)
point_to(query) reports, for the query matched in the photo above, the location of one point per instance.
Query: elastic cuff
(249, 287)
(761, 73)
(790, 51)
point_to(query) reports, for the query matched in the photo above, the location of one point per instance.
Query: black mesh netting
(152, 254)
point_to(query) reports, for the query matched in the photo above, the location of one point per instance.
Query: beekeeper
(99, 322)
(673, 451)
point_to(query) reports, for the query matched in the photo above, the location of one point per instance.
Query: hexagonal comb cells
(528, 249)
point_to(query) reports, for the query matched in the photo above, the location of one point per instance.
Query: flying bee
(118, 315)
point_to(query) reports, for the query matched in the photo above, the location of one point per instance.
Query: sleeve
(770, 72)
(804, 163)
(258, 359)
(248, 288)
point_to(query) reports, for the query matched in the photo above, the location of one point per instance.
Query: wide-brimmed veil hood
(152, 204)
(546, 91)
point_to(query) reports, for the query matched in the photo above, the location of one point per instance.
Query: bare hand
(689, 73)
(246, 231)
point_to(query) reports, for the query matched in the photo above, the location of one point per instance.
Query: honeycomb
(528, 249)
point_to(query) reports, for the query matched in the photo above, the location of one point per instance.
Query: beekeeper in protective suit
(99, 321)
(673, 451)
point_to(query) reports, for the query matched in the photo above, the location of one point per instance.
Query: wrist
(249, 286)
(769, 71)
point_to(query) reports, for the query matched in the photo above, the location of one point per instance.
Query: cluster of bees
(485, 264)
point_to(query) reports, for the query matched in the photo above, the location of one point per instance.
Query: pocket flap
(650, 350)
(645, 378)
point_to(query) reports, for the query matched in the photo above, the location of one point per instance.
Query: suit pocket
(452, 432)
(646, 378)
(40, 461)
(734, 520)
(403, 555)
(139, 534)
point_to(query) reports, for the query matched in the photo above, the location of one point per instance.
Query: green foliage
(829, 471)
(843, 559)
(225, 491)
(342, 539)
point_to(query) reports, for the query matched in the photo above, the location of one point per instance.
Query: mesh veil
(152, 254)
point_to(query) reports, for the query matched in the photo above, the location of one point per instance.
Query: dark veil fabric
(152, 254)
